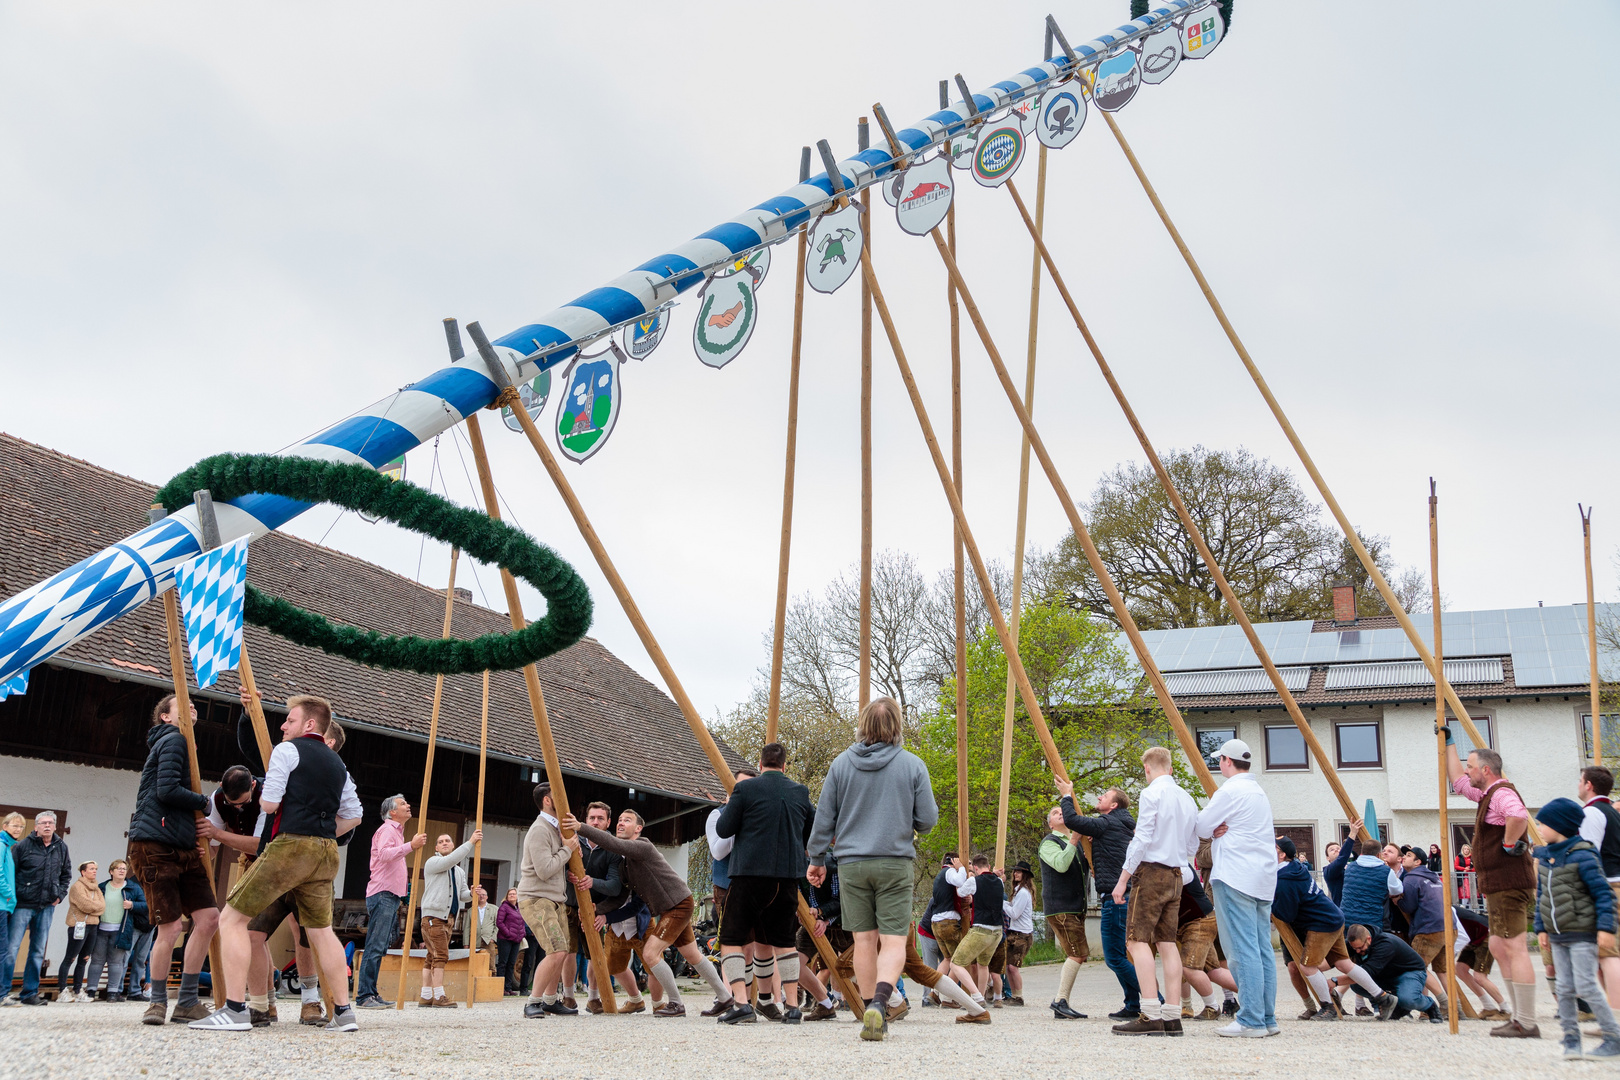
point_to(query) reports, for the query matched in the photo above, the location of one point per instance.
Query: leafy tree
(1088, 689)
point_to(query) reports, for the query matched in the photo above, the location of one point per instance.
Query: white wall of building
(1539, 741)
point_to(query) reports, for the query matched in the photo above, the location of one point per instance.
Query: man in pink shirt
(385, 892)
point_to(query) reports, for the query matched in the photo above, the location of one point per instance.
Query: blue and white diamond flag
(212, 587)
(17, 684)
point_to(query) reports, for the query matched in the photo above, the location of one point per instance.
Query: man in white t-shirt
(1243, 881)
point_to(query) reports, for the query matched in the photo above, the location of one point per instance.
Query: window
(1385, 833)
(1211, 739)
(1611, 734)
(1285, 748)
(1304, 838)
(1359, 746)
(1465, 745)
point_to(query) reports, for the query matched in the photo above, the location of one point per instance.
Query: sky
(224, 227)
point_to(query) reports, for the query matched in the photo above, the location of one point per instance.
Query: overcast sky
(223, 227)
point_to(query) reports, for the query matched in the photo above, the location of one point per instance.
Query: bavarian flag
(212, 587)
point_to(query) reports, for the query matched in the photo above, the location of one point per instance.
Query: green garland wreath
(357, 487)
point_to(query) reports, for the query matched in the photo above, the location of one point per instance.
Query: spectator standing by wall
(115, 934)
(84, 907)
(44, 870)
(11, 831)
(509, 931)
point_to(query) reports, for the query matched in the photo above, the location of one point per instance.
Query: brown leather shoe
(897, 1011)
(259, 1019)
(186, 1014)
(1142, 1026)
(156, 1013)
(818, 1011)
(311, 1013)
(714, 1010)
(1515, 1030)
(638, 1005)
(1208, 1014)
(1018, 1001)
(670, 1008)
(1187, 1013)
(1495, 1014)
(974, 1018)
(594, 1007)
(571, 1003)
(271, 1011)
(445, 1002)
(1172, 1028)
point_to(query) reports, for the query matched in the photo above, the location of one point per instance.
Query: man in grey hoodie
(875, 798)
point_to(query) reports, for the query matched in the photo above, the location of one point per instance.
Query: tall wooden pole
(959, 577)
(866, 452)
(779, 634)
(1591, 638)
(182, 706)
(1446, 873)
(711, 749)
(412, 888)
(478, 848)
(1373, 572)
(1007, 714)
(542, 723)
(1222, 584)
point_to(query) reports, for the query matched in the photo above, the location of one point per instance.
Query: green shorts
(978, 945)
(301, 867)
(876, 895)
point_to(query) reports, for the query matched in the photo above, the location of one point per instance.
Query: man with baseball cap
(1243, 881)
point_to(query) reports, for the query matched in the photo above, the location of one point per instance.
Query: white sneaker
(7, 1000)
(223, 1019)
(66, 998)
(1235, 1030)
(1273, 1031)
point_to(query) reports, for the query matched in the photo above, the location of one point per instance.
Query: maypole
(1446, 874)
(865, 691)
(1591, 639)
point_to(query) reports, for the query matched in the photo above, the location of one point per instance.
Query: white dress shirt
(1020, 912)
(283, 760)
(719, 846)
(1246, 854)
(1166, 827)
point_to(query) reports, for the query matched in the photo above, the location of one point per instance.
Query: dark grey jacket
(771, 817)
(166, 808)
(1110, 838)
(43, 873)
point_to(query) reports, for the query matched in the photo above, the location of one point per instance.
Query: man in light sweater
(445, 894)
(669, 900)
(875, 798)
(1243, 881)
(541, 902)
(1157, 863)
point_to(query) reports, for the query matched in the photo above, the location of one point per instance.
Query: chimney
(1344, 602)
(465, 596)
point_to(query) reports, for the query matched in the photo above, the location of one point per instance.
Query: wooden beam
(1447, 876)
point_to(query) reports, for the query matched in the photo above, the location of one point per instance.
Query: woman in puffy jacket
(509, 931)
(84, 907)
(116, 933)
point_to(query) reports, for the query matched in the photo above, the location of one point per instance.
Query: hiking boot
(1229, 1007)
(740, 1013)
(1186, 1011)
(670, 1008)
(1363, 1009)
(974, 1018)
(186, 1014)
(1141, 1026)
(818, 1011)
(994, 1003)
(1211, 1013)
(311, 1013)
(594, 1007)
(1172, 1028)
(1434, 1014)
(770, 1010)
(1308, 1014)
(1326, 1012)
(874, 1028)
(718, 1007)
(571, 1003)
(157, 1013)
(638, 1005)
(1387, 1004)
(897, 1011)
(258, 1019)
(1515, 1030)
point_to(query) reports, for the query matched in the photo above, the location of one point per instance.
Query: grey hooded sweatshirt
(875, 798)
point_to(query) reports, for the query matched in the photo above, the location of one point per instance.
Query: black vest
(1064, 893)
(1609, 850)
(314, 789)
(241, 820)
(944, 897)
(987, 899)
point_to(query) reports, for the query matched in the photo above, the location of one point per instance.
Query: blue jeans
(1114, 954)
(139, 958)
(1408, 990)
(1244, 925)
(8, 955)
(382, 922)
(36, 923)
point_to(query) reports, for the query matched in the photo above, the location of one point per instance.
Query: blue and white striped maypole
(50, 616)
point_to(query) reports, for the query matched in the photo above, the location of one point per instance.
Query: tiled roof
(608, 722)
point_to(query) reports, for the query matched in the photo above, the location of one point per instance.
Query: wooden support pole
(542, 723)
(1222, 584)
(959, 578)
(182, 707)
(1591, 639)
(413, 887)
(711, 749)
(1007, 715)
(478, 848)
(1446, 873)
(1373, 572)
(865, 687)
(779, 633)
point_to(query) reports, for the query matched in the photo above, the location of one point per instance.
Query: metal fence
(1466, 886)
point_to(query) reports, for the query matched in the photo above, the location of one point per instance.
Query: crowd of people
(1188, 900)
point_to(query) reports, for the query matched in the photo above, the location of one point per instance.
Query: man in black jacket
(44, 870)
(165, 860)
(769, 819)
(1393, 965)
(1111, 832)
(604, 877)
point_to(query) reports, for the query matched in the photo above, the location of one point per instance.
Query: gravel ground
(86, 1042)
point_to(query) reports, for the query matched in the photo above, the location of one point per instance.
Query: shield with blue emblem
(1000, 149)
(1061, 116)
(1201, 32)
(1117, 80)
(642, 336)
(590, 405)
